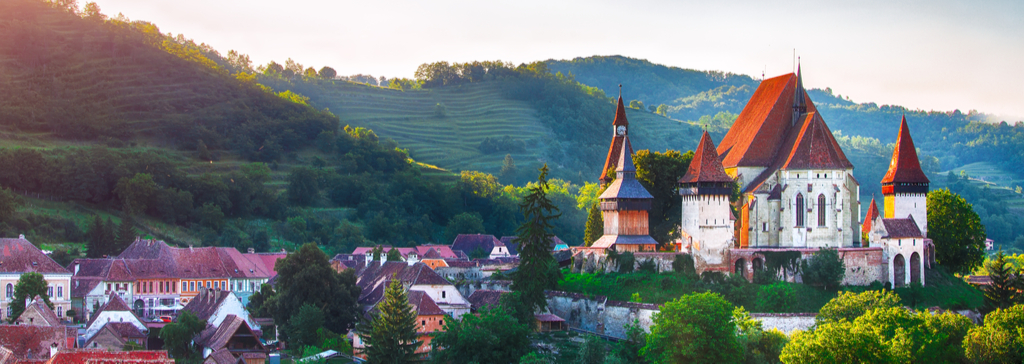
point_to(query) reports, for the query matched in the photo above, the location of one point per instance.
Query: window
(108, 287)
(821, 210)
(207, 284)
(174, 287)
(150, 287)
(192, 286)
(60, 291)
(10, 311)
(423, 323)
(442, 294)
(60, 311)
(49, 291)
(9, 291)
(184, 286)
(442, 322)
(764, 226)
(800, 213)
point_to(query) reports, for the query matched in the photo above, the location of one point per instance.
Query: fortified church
(797, 194)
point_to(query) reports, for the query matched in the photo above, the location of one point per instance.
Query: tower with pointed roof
(620, 129)
(707, 220)
(869, 219)
(624, 207)
(797, 185)
(905, 185)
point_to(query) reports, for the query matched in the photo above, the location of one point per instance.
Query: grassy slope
(473, 112)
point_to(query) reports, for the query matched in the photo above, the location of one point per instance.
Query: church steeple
(620, 128)
(905, 185)
(800, 98)
(904, 166)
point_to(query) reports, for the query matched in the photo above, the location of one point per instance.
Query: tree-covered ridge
(82, 76)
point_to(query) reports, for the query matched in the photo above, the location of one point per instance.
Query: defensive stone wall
(785, 322)
(466, 288)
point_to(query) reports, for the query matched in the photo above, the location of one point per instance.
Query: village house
(231, 341)
(214, 306)
(19, 256)
(114, 311)
(429, 318)
(480, 246)
(32, 343)
(374, 277)
(38, 313)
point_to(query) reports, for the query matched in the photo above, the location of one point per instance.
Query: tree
(538, 270)
(202, 152)
(636, 339)
(662, 110)
(659, 173)
(509, 171)
(695, 328)
(8, 202)
(1004, 290)
(98, 244)
(825, 269)
(492, 337)
(303, 187)
(394, 255)
(305, 277)
(999, 340)
(775, 297)
(592, 350)
(178, 335)
(328, 73)
(956, 230)
(595, 225)
(683, 263)
(262, 303)
(136, 193)
(848, 305)
(29, 286)
(464, 223)
(92, 11)
(759, 346)
(303, 327)
(126, 235)
(390, 337)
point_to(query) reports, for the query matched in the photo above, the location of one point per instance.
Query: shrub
(683, 263)
(775, 297)
(825, 269)
(649, 266)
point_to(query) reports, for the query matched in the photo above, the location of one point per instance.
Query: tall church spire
(800, 98)
(904, 166)
(620, 128)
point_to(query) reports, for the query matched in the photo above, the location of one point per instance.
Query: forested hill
(87, 78)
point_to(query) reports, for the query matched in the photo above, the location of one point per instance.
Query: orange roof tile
(705, 166)
(815, 147)
(611, 162)
(872, 214)
(904, 167)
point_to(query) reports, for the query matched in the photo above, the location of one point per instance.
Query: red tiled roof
(904, 166)
(375, 277)
(20, 256)
(47, 314)
(815, 147)
(423, 304)
(23, 340)
(217, 337)
(902, 228)
(705, 166)
(612, 162)
(620, 114)
(485, 298)
(206, 303)
(870, 217)
(762, 126)
(115, 304)
(78, 356)
(468, 243)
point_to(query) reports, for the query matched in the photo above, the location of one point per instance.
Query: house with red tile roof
(114, 336)
(214, 306)
(114, 311)
(19, 256)
(374, 278)
(29, 343)
(230, 340)
(39, 314)
(102, 356)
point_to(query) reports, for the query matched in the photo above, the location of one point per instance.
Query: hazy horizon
(940, 56)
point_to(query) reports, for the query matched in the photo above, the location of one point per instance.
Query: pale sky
(931, 55)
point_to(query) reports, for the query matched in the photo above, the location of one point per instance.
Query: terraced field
(472, 112)
(996, 178)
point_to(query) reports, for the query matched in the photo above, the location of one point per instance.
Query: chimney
(190, 248)
(53, 349)
(28, 301)
(21, 236)
(252, 250)
(76, 267)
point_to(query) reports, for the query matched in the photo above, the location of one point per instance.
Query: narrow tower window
(821, 210)
(800, 213)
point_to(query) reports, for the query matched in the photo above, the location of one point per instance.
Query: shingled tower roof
(625, 185)
(705, 166)
(618, 142)
(872, 214)
(904, 166)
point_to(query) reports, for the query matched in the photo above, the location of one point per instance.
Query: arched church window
(821, 210)
(10, 291)
(800, 212)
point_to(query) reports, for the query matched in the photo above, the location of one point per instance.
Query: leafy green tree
(759, 346)
(137, 192)
(999, 340)
(303, 327)
(695, 328)
(509, 171)
(775, 297)
(595, 225)
(178, 337)
(303, 186)
(956, 230)
(683, 263)
(537, 270)
(390, 337)
(592, 351)
(306, 277)
(662, 110)
(659, 173)
(825, 269)
(327, 73)
(835, 342)
(262, 303)
(464, 223)
(29, 286)
(210, 216)
(636, 339)
(98, 244)
(492, 337)
(394, 255)
(849, 305)
(1004, 291)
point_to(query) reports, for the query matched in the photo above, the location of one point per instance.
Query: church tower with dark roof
(624, 207)
(707, 220)
(620, 129)
(905, 185)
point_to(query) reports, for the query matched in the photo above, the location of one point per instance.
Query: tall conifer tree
(94, 247)
(537, 270)
(391, 336)
(1002, 293)
(126, 235)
